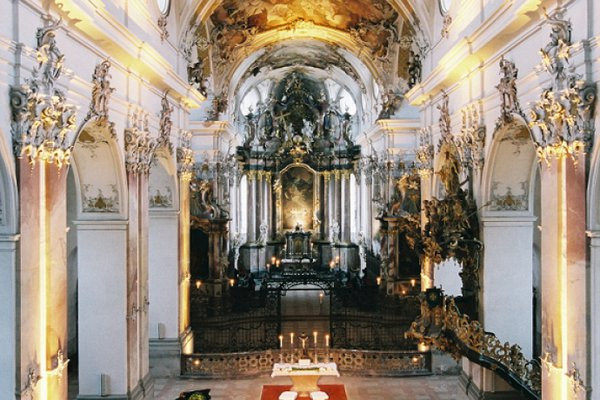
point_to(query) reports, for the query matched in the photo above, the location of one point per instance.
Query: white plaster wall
(102, 260)
(508, 280)
(446, 276)
(8, 295)
(163, 275)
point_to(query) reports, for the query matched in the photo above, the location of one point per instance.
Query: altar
(305, 376)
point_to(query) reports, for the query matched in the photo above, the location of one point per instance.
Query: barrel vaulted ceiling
(368, 41)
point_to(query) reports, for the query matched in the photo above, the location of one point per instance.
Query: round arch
(510, 170)
(510, 274)
(163, 183)
(99, 175)
(8, 191)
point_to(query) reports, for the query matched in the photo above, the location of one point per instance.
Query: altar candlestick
(327, 340)
(281, 341)
(315, 337)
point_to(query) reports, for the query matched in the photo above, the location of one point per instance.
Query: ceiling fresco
(378, 36)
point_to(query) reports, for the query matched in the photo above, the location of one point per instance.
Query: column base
(165, 358)
(144, 390)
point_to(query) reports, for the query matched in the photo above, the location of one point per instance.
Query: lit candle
(292, 338)
(332, 264)
(231, 282)
(378, 279)
(327, 340)
(281, 341)
(337, 259)
(315, 337)
(403, 292)
(268, 266)
(273, 259)
(198, 284)
(413, 282)
(278, 262)
(321, 298)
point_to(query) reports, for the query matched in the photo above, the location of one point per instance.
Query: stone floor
(357, 388)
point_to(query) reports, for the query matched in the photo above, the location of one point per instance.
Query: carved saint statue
(414, 69)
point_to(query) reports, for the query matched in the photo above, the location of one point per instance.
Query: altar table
(306, 376)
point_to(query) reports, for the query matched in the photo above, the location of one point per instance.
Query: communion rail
(254, 363)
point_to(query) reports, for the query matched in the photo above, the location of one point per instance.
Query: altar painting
(297, 198)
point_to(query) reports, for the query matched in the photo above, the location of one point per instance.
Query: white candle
(292, 338)
(327, 340)
(281, 341)
(315, 337)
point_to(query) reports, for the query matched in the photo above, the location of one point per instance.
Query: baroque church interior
(311, 199)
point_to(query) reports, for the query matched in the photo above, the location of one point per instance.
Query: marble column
(325, 205)
(563, 280)
(184, 263)
(508, 279)
(42, 304)
(269, 206)
(427, 267)
(345, 210)
(251, 237)
(368, 208)
(102, 308)
(595, 313)
(8, 320)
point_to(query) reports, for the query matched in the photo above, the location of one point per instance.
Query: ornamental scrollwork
(162, 28)
(185, 156)
(425, 151)
(139, 146)
(509, 105)
(42, 122)
(444, 121)
(562, 119)
(441, 324)
(101, 92)
(165, 124)
(471, 141)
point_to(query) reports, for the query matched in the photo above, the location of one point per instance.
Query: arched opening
(96, 259)
(163, 265)
(511, 287)
(8, 276)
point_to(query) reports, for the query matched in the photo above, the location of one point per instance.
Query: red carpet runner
(272, 392)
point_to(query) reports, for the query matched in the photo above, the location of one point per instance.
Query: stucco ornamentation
(101, 92)
(139, 146)
(562, 119)
(42, 122)
(165, 124)
(185, 156)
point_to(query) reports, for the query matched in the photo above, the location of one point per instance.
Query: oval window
(445, 6)
(163, 6)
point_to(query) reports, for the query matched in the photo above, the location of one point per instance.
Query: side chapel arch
(510, 218)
